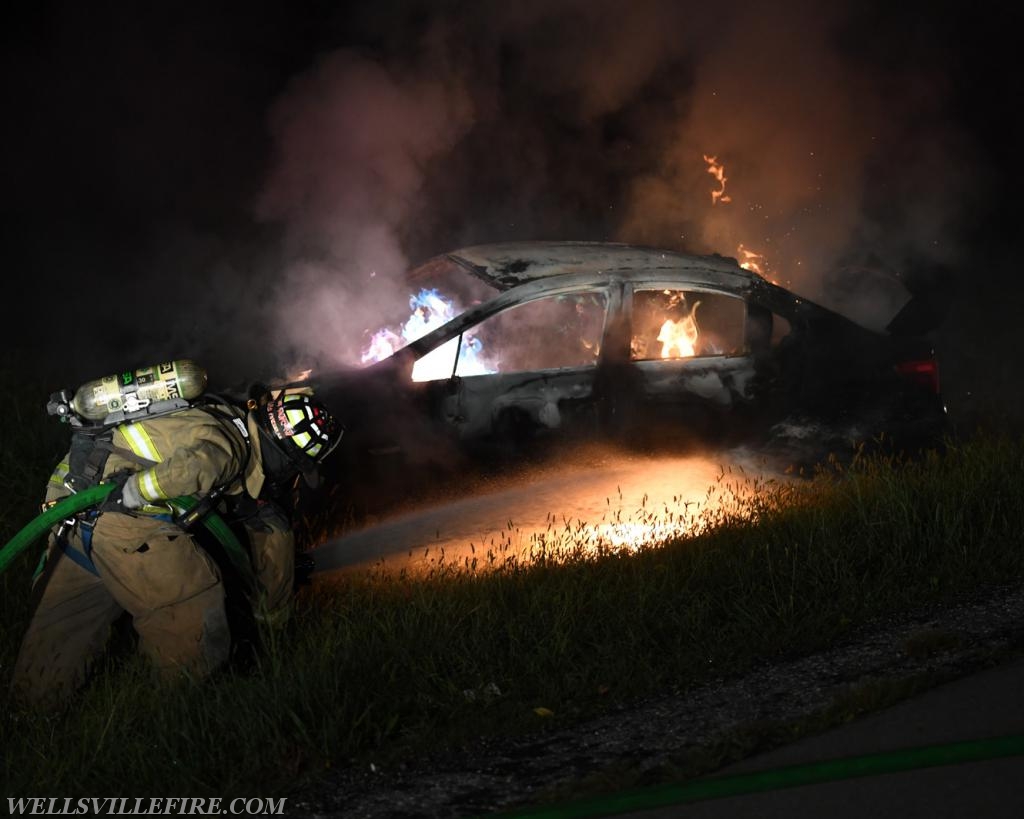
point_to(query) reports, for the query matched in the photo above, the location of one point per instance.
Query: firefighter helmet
(304, 428)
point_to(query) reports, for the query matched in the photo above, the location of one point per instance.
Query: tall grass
(384, 665)
(30, 445)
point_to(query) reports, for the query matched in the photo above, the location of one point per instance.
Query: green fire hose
(813, 773)
(72, 505)
(51, 517)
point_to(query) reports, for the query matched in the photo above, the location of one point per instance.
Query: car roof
(510, 264)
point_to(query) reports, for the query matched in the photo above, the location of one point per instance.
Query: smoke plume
(353, 140)
(591, 120)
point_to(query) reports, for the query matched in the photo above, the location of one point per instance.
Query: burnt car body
(572, 339)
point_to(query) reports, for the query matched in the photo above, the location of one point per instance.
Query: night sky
(244, 183)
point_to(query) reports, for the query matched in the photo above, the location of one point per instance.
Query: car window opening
(555, 332)
(675, 324)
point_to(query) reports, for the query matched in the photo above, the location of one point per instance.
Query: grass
(30, 445)
(386, 665)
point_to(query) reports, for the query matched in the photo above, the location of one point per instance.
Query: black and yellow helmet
(306, 431)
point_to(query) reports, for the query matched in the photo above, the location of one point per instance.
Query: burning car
(509, 343)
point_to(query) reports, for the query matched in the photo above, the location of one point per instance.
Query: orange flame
(718, 171)
(679, 338)
(748, 259)
(756, 263)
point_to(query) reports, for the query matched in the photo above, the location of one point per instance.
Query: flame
(430, 310)
(382, 344)
(749, 259)
(680, 336)
(718, 171)
(755, 263)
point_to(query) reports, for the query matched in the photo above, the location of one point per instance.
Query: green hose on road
(79, 502)
(812, 773)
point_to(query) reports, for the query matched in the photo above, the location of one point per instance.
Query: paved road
(604, 496)
(987, 704)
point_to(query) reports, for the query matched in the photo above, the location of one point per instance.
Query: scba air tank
(131, 391)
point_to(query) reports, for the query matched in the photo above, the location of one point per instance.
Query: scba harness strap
(88, 457)
(84, 523)
(90, 449)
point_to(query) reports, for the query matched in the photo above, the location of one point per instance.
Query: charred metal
(576, 339)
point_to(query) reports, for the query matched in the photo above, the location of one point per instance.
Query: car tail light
(924, 373)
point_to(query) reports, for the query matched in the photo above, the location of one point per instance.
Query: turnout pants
(144, 566)
(272, 549)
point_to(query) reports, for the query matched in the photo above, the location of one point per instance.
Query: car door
(690, 363)
(524, 370)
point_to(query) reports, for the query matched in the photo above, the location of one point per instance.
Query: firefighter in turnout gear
(135, 552)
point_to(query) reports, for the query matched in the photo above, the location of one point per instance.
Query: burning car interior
(666, 324)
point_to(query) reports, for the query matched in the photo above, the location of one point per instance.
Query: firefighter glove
(130, 495)
(125, 496)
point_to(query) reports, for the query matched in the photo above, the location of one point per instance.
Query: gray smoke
(590, 120)
(353, 139)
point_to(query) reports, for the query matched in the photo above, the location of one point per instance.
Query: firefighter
(130, 554)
